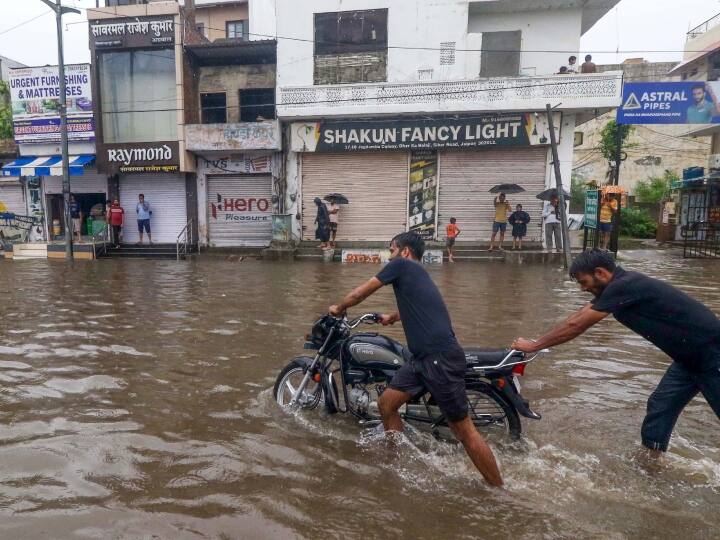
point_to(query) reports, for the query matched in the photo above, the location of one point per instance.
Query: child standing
(452, 232)
(519, 220)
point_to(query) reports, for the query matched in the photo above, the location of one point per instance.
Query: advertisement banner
(35, 98)
(423, 192)
(683, 102)
(153, 157)
(592, 198)
(517, 129)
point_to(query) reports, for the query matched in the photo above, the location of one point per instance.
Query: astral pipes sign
(522, 129)
(670, 103)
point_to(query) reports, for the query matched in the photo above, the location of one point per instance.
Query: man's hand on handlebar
(387, 320)
(336, 310)
(524, 345)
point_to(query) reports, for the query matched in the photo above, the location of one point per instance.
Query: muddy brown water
(135, 402)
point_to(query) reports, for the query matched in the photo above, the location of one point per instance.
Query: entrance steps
(144, 251)
(29, 251)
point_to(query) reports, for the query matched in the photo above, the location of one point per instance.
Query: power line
(3, 32)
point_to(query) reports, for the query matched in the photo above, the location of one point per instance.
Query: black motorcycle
(363, 364)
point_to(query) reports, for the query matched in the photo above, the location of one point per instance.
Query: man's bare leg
(492, 241)
(389, 403)
(478, 450)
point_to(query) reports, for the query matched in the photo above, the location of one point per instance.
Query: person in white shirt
(572, 66)
(551, 216)
(334, 211)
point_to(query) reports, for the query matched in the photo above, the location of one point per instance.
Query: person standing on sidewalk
(76, 216)
(551, 215)
(334, 213)
(519, 220)
(116, 220)
(143, 218)
(608, 207)
(502, 207)
(452, 231)
(680, 326)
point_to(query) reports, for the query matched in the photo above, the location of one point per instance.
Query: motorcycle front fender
(520, 403)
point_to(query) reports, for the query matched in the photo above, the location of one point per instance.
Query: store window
(236, 29)
(213, 108)
(351, 46)
(500, 55)
(201, 29)
(257, 104)
(138, 96)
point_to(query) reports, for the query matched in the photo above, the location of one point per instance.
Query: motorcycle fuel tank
(372, 351)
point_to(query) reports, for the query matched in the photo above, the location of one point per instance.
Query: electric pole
(62, 99)
(560, 190)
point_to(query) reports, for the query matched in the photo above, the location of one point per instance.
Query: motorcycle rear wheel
(490, 411)
(287, 383)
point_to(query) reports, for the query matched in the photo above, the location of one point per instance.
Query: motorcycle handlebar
(373, 317)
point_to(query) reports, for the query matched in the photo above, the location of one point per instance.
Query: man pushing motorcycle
(438, 365)
(680, 326)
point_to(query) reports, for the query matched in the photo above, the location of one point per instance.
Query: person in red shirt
(116, 218)
(452, 231)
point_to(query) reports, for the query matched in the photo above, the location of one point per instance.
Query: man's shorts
(143, 224)
(76, 224)
(333, 226)
(450, 242)
(497, 226)
(441, 374)
(605, 227)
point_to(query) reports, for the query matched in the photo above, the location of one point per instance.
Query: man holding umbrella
(335, 200)
(502, 208)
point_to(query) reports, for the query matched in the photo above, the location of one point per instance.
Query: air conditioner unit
(714, 161)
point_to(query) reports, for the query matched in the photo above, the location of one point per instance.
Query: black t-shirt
(74, 210)
(424, 316)
(680, 326)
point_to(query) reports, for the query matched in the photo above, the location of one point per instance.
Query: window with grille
(236, 29)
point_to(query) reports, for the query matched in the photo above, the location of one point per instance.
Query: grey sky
(640, 25)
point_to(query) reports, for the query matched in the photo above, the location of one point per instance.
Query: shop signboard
(684, 102)
(422, 192)
(35, 101)
(152, 157)
(135, 32)
(372, 256)
(591, 208)
(243, 165)
(516, 129)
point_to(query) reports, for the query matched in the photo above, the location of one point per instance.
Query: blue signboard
(684, 102)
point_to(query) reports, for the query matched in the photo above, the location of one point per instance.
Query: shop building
(237, 142)
(145, 93)
(397, 108)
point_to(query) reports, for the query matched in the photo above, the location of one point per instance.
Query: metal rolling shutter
(466, 177)
(376, 183)
(240, 210)
(167, 197)
(89, 182)
(12, 198)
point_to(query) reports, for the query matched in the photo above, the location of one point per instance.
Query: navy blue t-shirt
(679, 325)
(423, 313)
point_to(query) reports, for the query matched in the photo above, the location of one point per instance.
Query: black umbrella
(507, 188)
(550, 193)
(337, 198)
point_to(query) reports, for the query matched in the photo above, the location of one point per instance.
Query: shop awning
(46, 165)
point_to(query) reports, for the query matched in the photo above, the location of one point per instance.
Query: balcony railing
(700, 29)
(233, 137)
(585, 91)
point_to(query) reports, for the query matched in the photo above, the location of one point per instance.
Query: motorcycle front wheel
(490, 411)
(287, 383)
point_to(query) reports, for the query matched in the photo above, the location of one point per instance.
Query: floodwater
(135, 402)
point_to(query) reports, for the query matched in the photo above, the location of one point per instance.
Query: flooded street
(136, 402)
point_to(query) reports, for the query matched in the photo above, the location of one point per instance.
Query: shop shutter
(465, 180)
(376, 184)
(89, 182)
(167, 197)
(240, 210)
(12, 198)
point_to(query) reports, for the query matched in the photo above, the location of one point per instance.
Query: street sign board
(591, 208)
(685, 102)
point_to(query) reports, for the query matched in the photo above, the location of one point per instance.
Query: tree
(578, 187)
(608, 145)
(6, 129)
(655, 189)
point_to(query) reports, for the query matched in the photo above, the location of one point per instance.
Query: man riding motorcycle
(438, 365)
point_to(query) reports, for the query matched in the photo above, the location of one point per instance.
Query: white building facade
(414, 110)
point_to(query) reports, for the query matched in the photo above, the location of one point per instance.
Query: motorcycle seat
(477, 356)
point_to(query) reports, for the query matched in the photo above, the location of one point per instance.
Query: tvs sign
(247, 209)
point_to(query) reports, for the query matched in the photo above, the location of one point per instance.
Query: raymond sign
(591, 208)
(670, 103)
(139, 157)
(35, 97)
(130, 33)
(520, 129)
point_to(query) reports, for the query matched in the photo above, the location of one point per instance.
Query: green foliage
(608, 138)
(655, 189)
(577, 194)
(6, 129)
(637, 223)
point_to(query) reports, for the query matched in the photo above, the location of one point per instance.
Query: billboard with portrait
(686, 102)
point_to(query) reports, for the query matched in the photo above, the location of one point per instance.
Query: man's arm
(569, 329)
(355, 296)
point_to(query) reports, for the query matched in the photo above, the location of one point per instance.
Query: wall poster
(423, 193)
